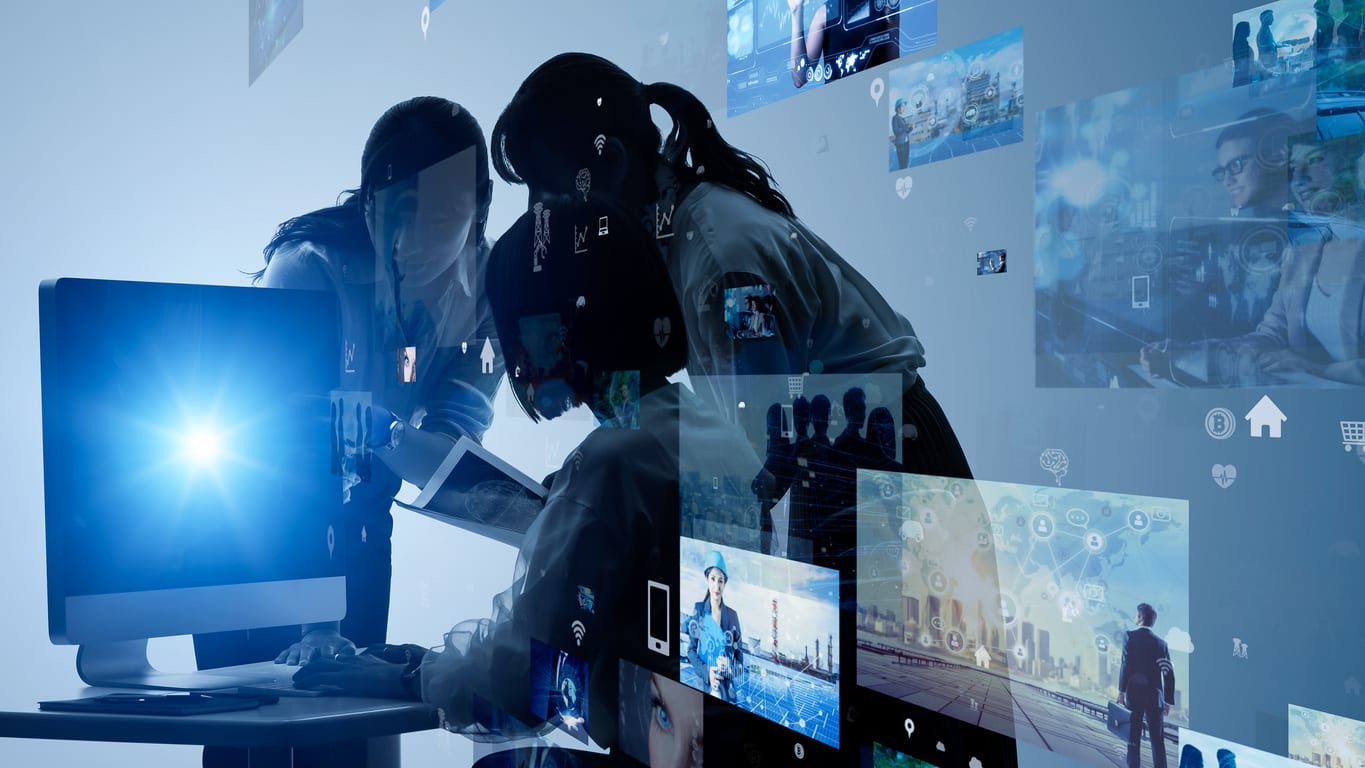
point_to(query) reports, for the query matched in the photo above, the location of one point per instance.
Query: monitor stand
(124, 664)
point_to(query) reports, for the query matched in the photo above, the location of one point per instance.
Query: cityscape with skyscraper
(1032, 587)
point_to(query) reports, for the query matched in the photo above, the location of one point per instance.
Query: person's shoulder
(300, 264)
(607, 451)
(719, 208)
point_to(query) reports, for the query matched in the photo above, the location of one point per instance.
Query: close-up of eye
(661, 716)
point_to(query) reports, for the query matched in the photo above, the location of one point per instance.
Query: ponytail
(694, 134)
(589, 97)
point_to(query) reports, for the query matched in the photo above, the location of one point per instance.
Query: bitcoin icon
(1220, 423)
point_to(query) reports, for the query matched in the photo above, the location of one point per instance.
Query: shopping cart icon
(796, 385)
(1352, 434)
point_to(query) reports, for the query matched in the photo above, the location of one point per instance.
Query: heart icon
(903, 186)
(663, 327)
(1224, 475)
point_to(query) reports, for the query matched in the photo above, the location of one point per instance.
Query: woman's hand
(363, 675)
(1279, 360)
(1156, 358)
(317, 644)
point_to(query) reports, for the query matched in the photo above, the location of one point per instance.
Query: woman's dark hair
(407, 138)
(417, 133)
(340, 228)
(550, 130)
(597, 269)
(1242, 31)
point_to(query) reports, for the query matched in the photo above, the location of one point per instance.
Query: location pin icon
(426, 20)
(331, 541)
(878, 88)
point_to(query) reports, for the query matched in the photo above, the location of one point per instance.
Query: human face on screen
(1313, 173)
(675, 725)
(1245, 178)
(424, 223)
(715, 584)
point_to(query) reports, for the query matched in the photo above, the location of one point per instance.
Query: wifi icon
(578, 631)
(970, 221)
(599, 142)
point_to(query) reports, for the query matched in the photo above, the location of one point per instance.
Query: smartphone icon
(657, 633)
(1142, 291)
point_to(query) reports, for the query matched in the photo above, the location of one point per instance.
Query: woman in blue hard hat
(716, 650)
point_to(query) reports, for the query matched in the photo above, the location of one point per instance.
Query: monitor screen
(186, 458)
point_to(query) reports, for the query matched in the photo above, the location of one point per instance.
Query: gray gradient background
(134, 149)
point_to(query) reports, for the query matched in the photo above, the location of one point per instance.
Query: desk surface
(289, 723)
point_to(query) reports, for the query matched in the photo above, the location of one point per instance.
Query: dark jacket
(1146, 672)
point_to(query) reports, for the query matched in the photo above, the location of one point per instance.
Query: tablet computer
(479, 492)
(173, 704)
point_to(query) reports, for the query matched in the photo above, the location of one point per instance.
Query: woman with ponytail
(723, 225)
(405, 255)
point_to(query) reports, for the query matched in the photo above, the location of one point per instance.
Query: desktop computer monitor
(186, 462)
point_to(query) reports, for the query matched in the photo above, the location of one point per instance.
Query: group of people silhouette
(820, 473)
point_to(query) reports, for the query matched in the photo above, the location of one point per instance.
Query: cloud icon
(1178, 639)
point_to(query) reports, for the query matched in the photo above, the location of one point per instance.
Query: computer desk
(270, 733)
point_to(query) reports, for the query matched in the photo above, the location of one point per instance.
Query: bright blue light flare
(202, 446)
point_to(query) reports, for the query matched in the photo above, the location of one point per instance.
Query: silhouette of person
(811, 492)
(881, 433)
(1191, 757)
(900, 134)
(403, 275)
(365, 455)
(1146, 687)
(1241, 54)
(334, 436)
(850, 442)
(776, 469)
(1266, 47)
(831, 319)
(610, 520)
(1326, 28)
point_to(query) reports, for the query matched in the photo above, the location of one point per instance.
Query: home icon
(1265, 416)
(983, 657)
(486, 363)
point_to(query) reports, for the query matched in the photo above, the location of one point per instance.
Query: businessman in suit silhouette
(1146, 687)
